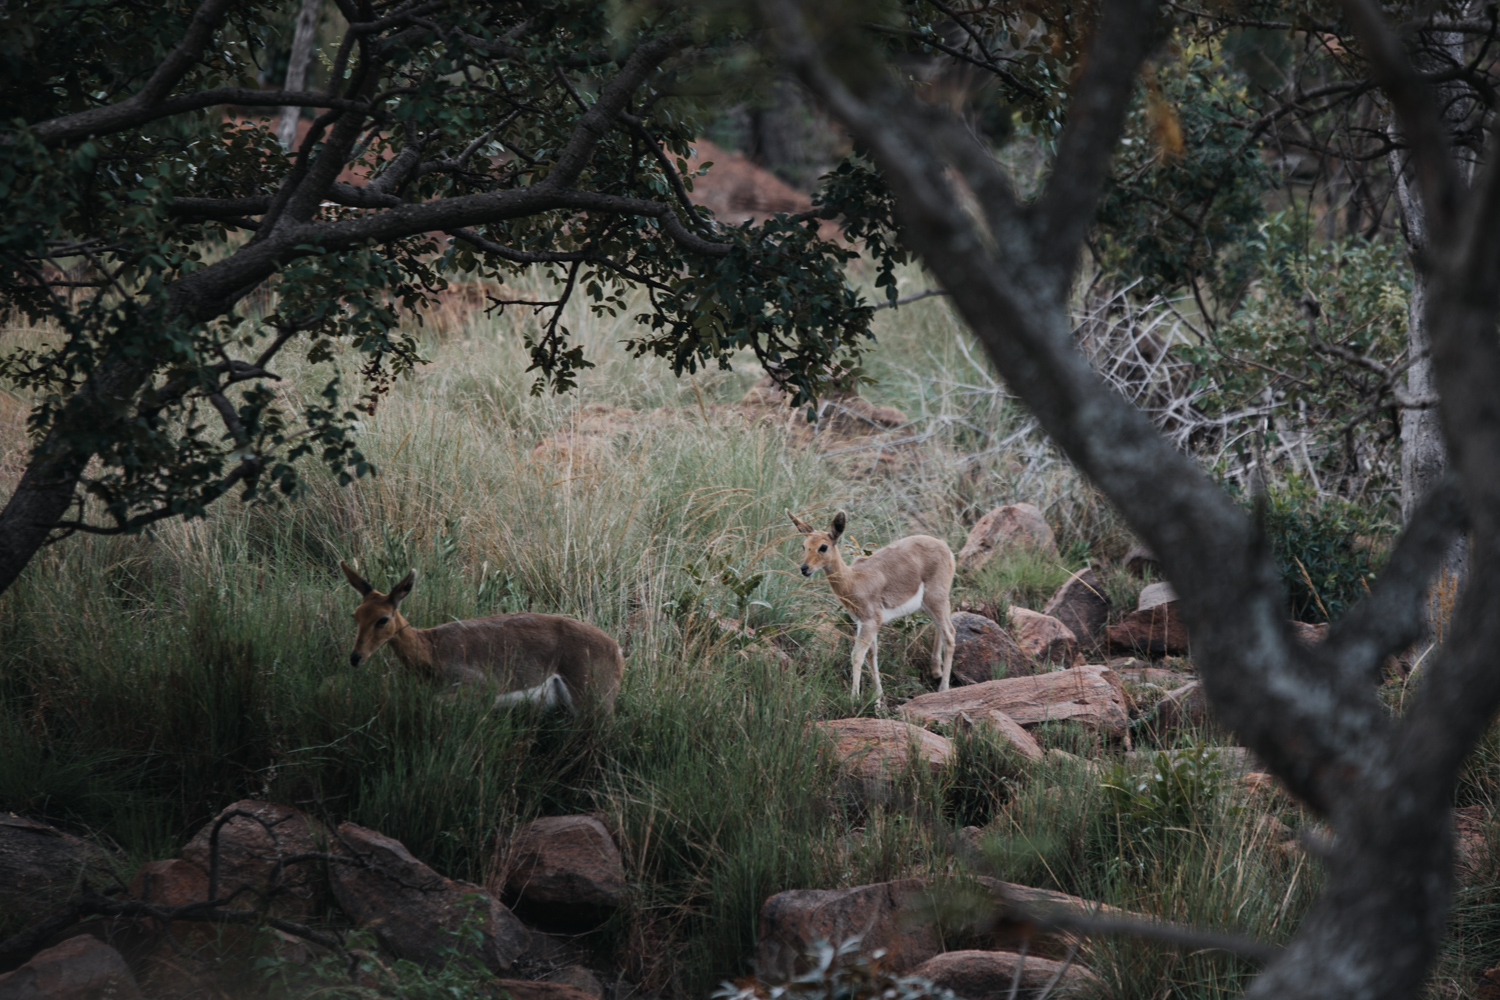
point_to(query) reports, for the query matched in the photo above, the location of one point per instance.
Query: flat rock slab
(1091, 694)
(881, 749)
(1154, 594)
(1014, 526)
(1081, 605)
(41, 867)
(417, 913)
(895, 916)
(982, 648)
(1158, 631)
(564, 871)
(81, 968)
(1042, 637)
(250, 848)
(989, 975)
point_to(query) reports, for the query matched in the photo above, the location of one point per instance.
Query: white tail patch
(905, 608)
(551, 693)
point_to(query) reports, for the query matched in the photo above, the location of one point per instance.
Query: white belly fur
(905, 608)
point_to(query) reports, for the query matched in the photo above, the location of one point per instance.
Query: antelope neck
(412, 646)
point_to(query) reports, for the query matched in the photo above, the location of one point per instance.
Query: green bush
(1324, 547)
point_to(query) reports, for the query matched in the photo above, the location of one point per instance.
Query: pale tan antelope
(913, 573)
(547, 659)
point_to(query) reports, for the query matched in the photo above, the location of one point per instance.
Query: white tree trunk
(296, 68)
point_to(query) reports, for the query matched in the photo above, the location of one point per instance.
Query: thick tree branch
(1095, 117)
(1389, 618)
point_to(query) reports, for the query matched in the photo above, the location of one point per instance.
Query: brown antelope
(546, 659)
(913, 573)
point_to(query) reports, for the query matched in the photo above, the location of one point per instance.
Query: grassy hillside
(145, 682)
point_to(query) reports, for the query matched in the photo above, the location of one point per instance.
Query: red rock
(564, 871)
(81, 968)
(415, 912)
(250, 849)
(1158, 676)
(1014, 526)
(1043, 638)
(1082, 606)
(41, 867)
(989, 975)
(1010, 731)
(1157, 631)
(980, 649)
(1091, 694)
(880, 749)
(1309, 635)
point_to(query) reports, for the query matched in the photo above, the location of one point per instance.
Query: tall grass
(146, 682)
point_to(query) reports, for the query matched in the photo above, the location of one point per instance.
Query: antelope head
(819, 548)
(378, 617)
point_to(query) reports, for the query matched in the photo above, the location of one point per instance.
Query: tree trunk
(296, 68)
(50, 482)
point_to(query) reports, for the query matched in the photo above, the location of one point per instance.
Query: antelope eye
(822, 548)
(382, 620)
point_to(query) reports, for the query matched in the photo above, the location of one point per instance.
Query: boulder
(41, 867)
(898, 917)
(1308, 634)
(982, 648)
(179, 882)
(563, 871)
(1155, 594)
(1043, 638)
(1183, 708)
(876, 750)
(81, 968)
(1092, 695)
(1139, 559)
(250, 848)
(1158, 631)
(989, 975)
(579, 978)
(1012, 732)
(1017, 525)
(1081, 605)
(416, 913)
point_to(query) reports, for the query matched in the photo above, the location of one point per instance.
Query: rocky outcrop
(81, 968)
(877, 750)
(563, 872)
(895, 916)
(982, 649)
(1081, 605)
(990, 975)
(251, 848)
(1043, 638)
(415, 912)
(1157, 631)
(1092, 695)
(1014, 526)
(41, 867)
(1011, 732)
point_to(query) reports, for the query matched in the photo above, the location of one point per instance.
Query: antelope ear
(355, 580)
(802, 526)
(837, 527)
(400, 590)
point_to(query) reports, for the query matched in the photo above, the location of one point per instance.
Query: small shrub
(1324, 548)
(1177, 793)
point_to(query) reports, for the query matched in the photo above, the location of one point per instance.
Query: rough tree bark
(296, 68)
(1384, 783)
